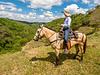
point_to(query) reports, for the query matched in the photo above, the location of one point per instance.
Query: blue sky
(43, 10)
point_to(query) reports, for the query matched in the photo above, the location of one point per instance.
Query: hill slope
(14, 34)
(40, 60)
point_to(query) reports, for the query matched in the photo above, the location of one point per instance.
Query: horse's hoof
(56, 65)
(80, 61)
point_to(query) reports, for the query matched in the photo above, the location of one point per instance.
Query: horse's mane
(50, 28)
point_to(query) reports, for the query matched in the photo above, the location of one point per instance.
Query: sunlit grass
(40, 61)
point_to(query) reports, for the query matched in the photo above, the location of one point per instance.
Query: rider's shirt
(67, 22)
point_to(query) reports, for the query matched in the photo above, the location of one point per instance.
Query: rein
(51, 35)
(53, 41)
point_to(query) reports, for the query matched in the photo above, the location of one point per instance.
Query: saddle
(72, 34)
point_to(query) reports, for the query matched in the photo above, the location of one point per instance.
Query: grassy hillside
(39, 61)
(95, 17)
(14, 34)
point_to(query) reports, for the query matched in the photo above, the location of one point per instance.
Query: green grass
(39, 61)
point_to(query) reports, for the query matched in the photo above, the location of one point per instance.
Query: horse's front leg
(57, 56)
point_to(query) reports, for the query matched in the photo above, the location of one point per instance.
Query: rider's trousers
(66, 34)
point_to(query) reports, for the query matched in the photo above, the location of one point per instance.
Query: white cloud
(47, 4)
(41, 16)
(81, 10)
(46, 17)
(97, 1)
(17, 16)
(7, 3)
(91, 1)
(30, 17)
(86, 1)
(20, 10)
(7, 6)
(2, 7)
(73, 8)
(23, 1)
(9, 10)
(48, 14)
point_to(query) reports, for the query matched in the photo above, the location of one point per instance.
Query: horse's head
(39, 34)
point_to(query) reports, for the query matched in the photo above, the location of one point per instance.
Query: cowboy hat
(67, 12)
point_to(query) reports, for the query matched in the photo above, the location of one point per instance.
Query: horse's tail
(85, 43)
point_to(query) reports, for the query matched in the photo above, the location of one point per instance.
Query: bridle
(39, 33)
(47, 38)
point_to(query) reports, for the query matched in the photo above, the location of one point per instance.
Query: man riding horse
(66, 28)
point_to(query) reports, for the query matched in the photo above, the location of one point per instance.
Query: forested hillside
(13, 34)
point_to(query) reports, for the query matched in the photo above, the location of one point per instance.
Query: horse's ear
(41, 25)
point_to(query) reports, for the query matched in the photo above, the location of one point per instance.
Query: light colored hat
(67, 12)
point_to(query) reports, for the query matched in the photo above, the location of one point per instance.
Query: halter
(39, 33)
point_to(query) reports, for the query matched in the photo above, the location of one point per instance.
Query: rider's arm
(67, 22)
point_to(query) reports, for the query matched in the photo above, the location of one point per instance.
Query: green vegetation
(37, 59)
(14, 34)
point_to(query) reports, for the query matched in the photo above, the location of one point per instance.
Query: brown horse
(57, 42)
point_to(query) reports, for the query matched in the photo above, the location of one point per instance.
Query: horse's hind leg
(81, 48)
(77, 50)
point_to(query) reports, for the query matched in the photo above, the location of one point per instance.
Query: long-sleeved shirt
(67, 22)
